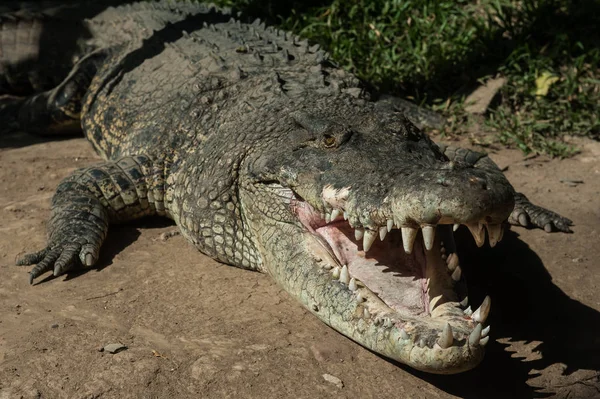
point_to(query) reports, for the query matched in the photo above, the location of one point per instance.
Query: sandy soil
(197, 328)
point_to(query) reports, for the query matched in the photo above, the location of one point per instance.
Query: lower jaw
(411, 339)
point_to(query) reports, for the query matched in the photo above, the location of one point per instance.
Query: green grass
(437, 52)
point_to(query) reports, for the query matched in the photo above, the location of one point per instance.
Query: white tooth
(345, 215)
(366, 314)
(452, 261)
(359, 298)
(442, 250)
(368, 239)
(327, 217)
(428, 236)
(387, 323)
(468, 311)
(494, 233)
(327, 266)
(455, 227)
(446, 338)
(352, 285)
(408, 238)
(334, 214)
(456, 273)
(336, 272)
(484, 341)
(390, 225)
(485, 332)
(422, 343)
(434, 302)
(382, 232)
(478, 233)
(501, 233)
(475, 335)
(358, 234)
(403, 334)
(345, 275)
(481, 314)
(464, 302)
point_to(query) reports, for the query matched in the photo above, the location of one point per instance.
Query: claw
(523, 220)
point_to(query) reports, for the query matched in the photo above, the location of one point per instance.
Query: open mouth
(404, 278)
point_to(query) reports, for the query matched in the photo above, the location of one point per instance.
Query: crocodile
(268, 157)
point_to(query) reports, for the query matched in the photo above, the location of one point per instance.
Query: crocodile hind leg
(525, 213)
(90, 199)
(55, 111)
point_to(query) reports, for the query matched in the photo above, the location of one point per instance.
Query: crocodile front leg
(89, 200)
(525, 213)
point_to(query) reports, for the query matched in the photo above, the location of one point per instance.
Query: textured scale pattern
(248, 137)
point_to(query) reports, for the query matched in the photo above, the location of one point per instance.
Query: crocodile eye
(328, 141)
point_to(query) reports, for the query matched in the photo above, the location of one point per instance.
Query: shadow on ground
(526, 307)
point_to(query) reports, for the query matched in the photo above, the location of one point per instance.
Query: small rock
(334, 380)
(113, 348)
(54, 326)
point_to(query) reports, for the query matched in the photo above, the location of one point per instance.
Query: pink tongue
(396, 277)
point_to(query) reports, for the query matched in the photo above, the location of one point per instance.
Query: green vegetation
(437, 52)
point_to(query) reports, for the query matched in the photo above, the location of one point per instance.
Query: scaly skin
(259, 147)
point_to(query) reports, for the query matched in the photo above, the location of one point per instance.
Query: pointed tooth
(464, 302)
(366, 314)
(336, 272)
(485, 332)
(390, 225)
(446, 339)
(455, 227)
(501, 233)
(468, 311)
(428, 236)
(358, 234)
(344, 275)
(352, 284)
(475, 335)
(434, 302)
(452, 261)
(327, 217)
(368, 239)
(481, 314)
(382, 232)
(359, 298)
(456, 274)
(421, 343)
(404, 334)
(478, 233)
(408, 238)
(334, 214)
(484, 341)
(387, 323)
(494, 233)
(345, 215)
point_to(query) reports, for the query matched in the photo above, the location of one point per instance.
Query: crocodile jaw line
(408, 307)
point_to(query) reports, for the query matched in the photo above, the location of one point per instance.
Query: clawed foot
(59, 258)
(527, 214)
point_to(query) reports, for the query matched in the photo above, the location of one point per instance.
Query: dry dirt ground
(197, 328)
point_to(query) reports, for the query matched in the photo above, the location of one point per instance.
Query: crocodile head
(353, 215)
